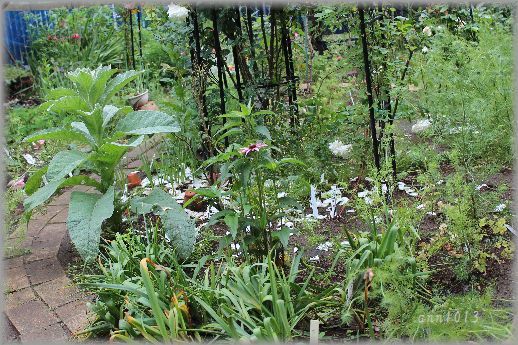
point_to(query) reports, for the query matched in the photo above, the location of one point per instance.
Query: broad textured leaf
(83, 80)
(60, 92)
(64, 163)
(81, 128)
(69, 104)
(101, 76)
(263, 131)
(133, 143)
(232, 221)
(148, 122)
(286, 202)
(41, 195)
(86, 213)
(34, 182)
(55, 133)
(81, 180)
(93, 120)
(116, 84)
(109, 111)
(179, 228)
(283, 235)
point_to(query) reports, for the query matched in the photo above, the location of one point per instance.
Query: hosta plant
(103, 134)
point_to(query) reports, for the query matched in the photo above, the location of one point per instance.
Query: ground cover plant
(350, 164)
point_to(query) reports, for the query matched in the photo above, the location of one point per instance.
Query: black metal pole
(368, 81)
(132, 43)
(235, 54)
(219, 63)
(139, 20)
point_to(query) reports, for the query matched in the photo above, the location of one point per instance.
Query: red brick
(16, 279)
(58, 292)
(17, 298)
(75, 316)
(51, 333)
(44, 270)
(31, 316)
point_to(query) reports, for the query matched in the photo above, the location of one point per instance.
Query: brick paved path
(41, 303)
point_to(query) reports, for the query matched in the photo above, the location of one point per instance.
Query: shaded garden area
(241, 172)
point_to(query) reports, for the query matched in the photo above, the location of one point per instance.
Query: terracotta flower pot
(139, 100)
(134, 179)
(195, 205)
(149, 106)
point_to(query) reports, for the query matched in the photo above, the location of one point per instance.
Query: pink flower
(38, 144)
(296, 35)
(338, 58)
(252, 148)
(75, 36)
(19, 184)
(231, 68)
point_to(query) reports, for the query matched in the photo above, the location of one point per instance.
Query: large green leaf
(41, 195)
(86, 213)
(116, 84)
(179, 228)
(68, 104)
(64, 163)
(34, 182)
(109, 111)
(83, 79)
(55, 133)
(144, 122)
(81, 128)
(101, 76)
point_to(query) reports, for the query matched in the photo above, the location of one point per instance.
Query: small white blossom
(30, 159)
(479, 187)
(325, 246)
(425, 50)
(427, 31)
(500, 208)
(421, 125)
(314, 258)
(340, 149)
(175, 11)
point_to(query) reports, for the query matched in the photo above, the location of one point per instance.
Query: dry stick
(368, 81)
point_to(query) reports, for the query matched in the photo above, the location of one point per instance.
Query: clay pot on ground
(149, 106)
(134, 179)
(195, 205)
(139, 100)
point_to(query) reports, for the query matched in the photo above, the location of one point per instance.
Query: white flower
(340, 149)
(500, 208)
(175, 11)
(427, 31)
(421, 125)
(30, 159)
(295, 249)
(325, 246)
(314, 259)
(363, 194)
(481, 186)
(281, 194)
(425, 50)
(420, 207)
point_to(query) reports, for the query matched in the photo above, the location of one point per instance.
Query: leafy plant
(250, 166)
(104, 145)
(259, 302)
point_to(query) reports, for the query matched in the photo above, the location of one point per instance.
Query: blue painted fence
(16, 35)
